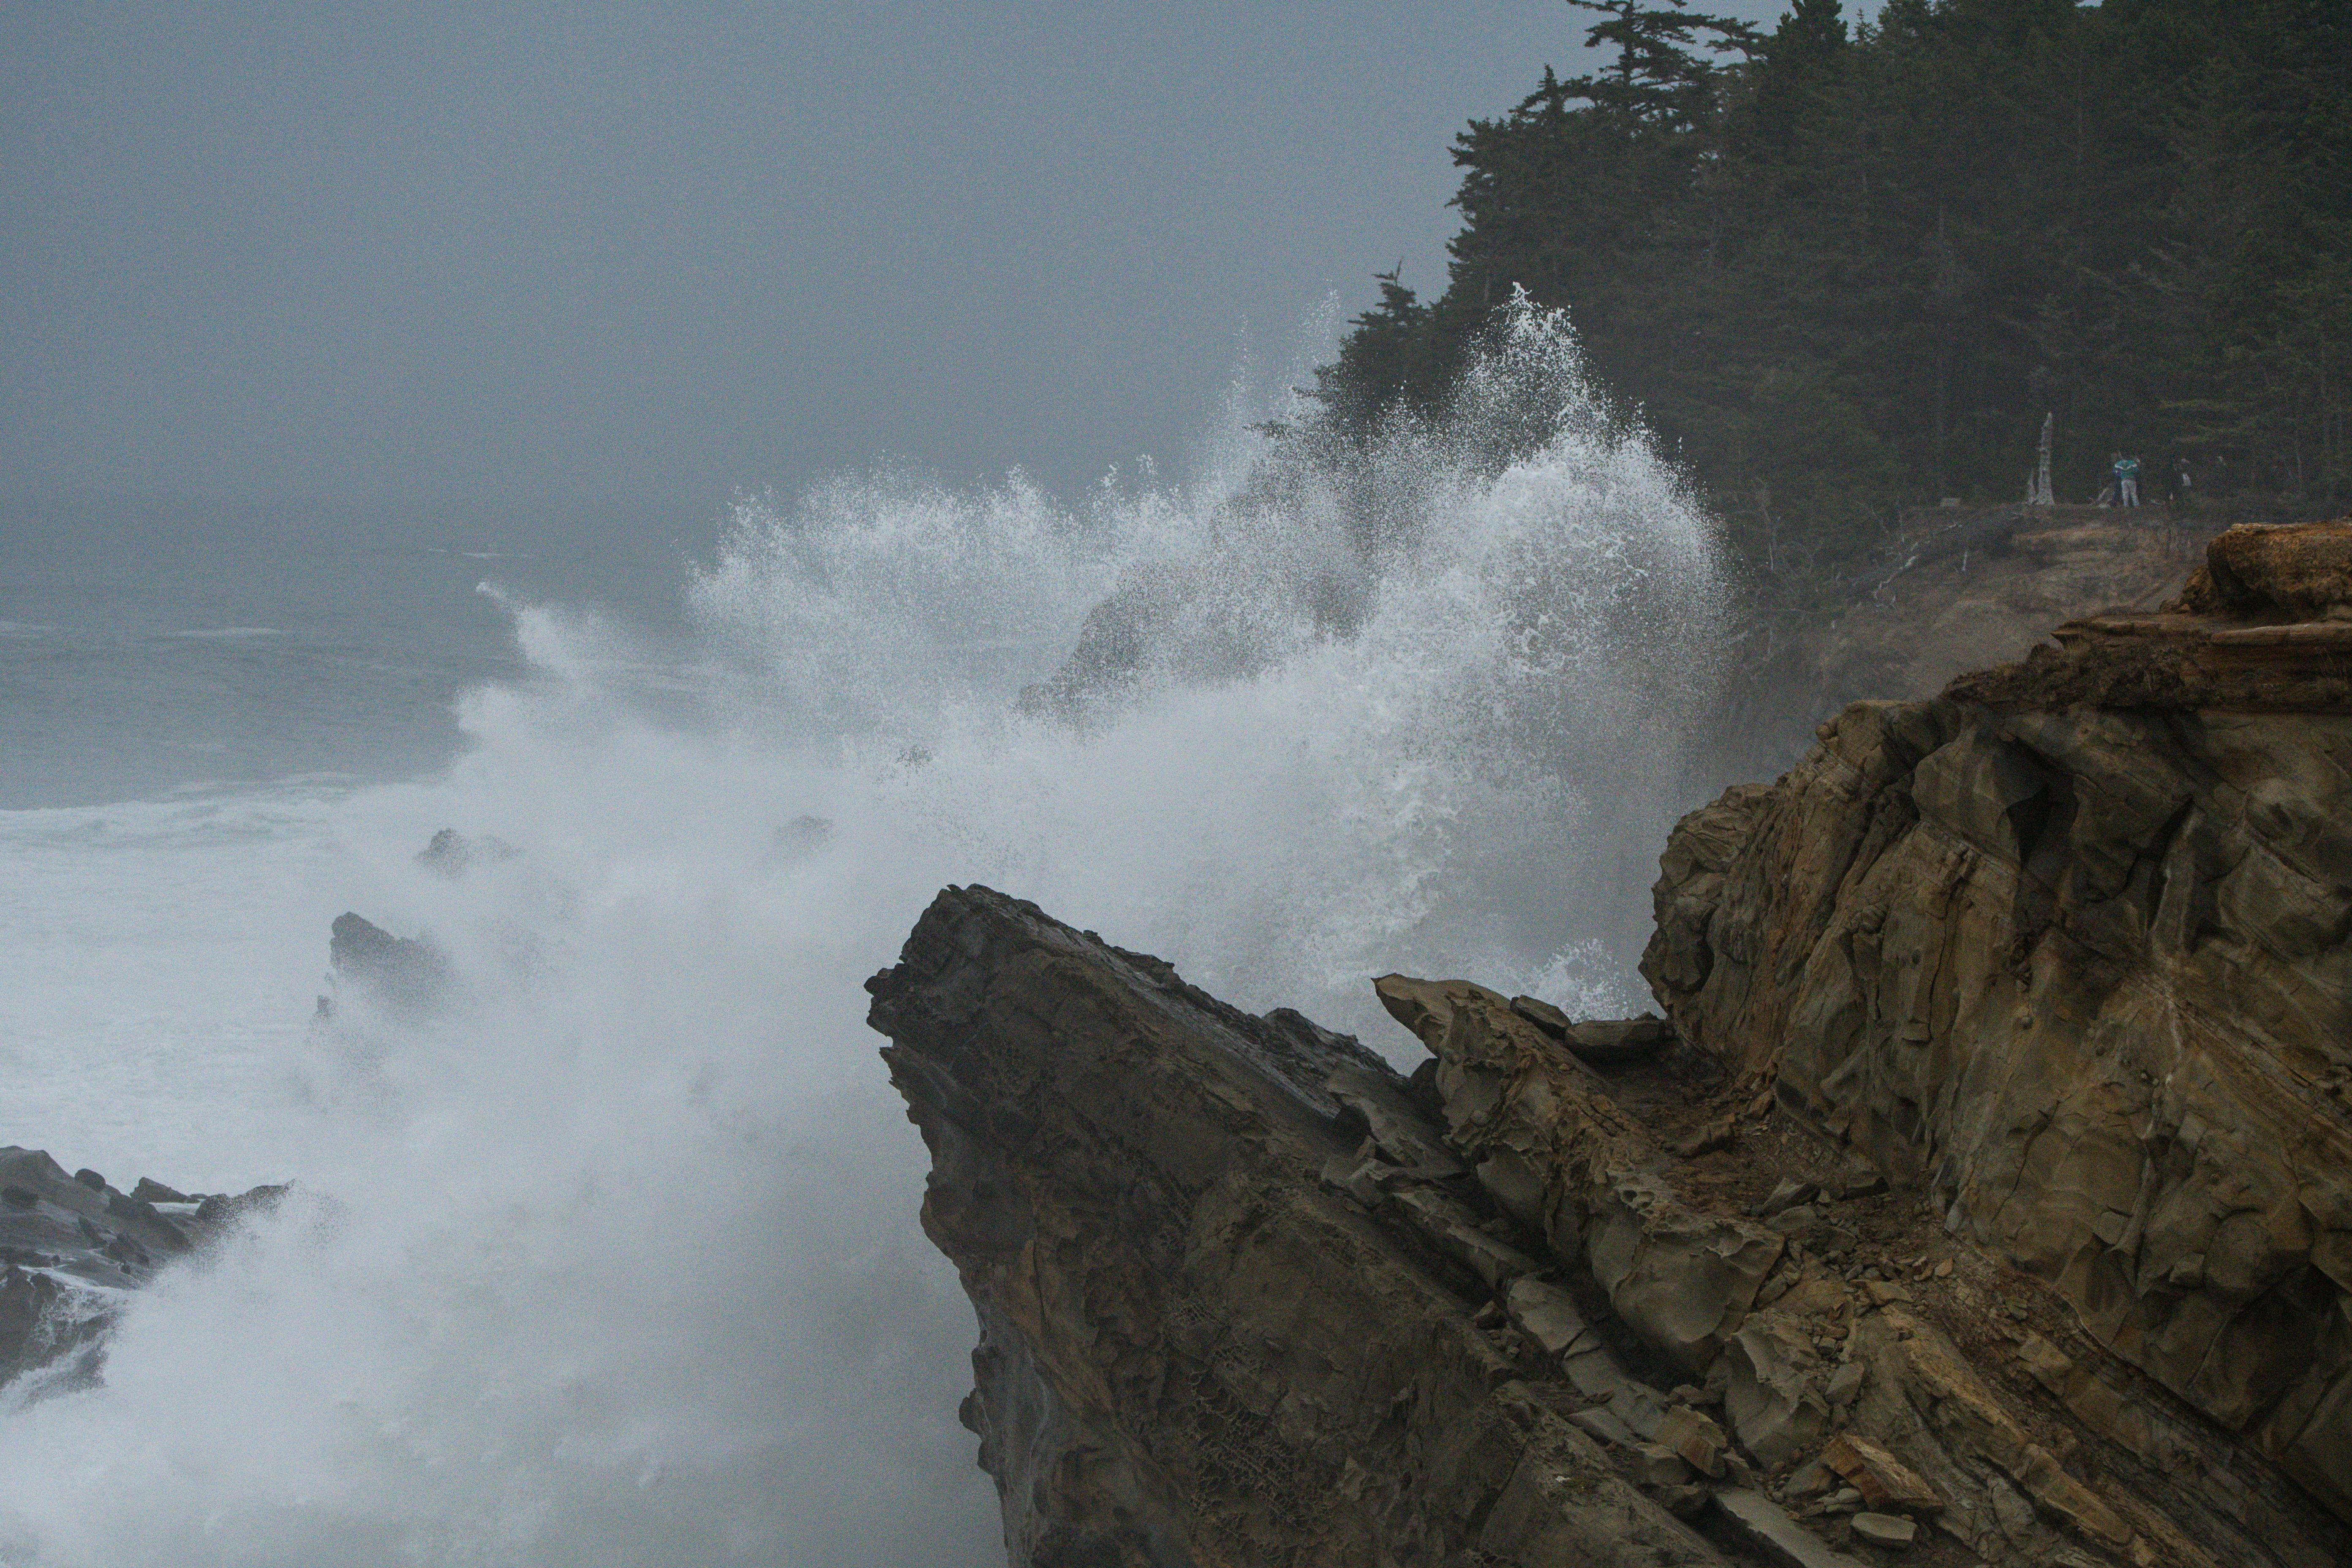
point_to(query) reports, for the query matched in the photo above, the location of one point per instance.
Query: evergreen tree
(1843, 268)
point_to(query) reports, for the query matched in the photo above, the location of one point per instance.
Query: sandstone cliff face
(1194, 1350)
(1985, 1199)
(1247, 1297)
(2067, 949)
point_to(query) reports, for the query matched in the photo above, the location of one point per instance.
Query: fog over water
(614, 1259)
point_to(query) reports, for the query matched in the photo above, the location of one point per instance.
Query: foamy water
(616, 1260)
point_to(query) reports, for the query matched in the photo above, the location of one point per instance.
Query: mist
(621, 257)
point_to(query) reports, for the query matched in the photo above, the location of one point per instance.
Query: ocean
(612, 1256)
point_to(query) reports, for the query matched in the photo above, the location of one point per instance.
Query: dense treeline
(1843, 268)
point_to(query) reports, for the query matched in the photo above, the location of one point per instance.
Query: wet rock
(451, 854)
(71, 1245)
(405, 975)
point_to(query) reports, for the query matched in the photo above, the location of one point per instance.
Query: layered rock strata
(1983, 1201)
(1248, 1297)
(1196, 1350)
(1876, 1376)
(2065, 951)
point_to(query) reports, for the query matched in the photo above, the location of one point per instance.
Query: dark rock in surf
(71, 1247)
(401, 974)
(451, 853)
(1206, 619)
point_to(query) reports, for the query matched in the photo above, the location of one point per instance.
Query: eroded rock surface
(1985, 1201)
(1222, 1323)
(1813, 1331)
(2065, 951)
(1244, 1299)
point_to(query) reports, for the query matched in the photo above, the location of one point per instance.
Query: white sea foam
(616, 1261)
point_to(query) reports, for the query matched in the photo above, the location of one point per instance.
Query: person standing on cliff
(2126, 481)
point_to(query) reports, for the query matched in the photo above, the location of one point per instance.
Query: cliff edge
(1981, 1199)
(1193, 1348)
(2065, 950)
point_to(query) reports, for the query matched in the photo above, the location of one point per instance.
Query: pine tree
(1844, 268)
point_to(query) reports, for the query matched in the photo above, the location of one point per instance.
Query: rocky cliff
(2065, 950)
(1194, 1349)
(1983, 1202)
(1247, 1296)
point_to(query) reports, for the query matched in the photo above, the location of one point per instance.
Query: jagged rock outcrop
(71, 1245)
(451, 854)
(1244, 1299)
(1194, 1349)
(2065, 950)
(1868, 1367)
(405, 975)
(1986, 1200)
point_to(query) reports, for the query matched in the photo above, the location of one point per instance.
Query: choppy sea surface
(614, 1258)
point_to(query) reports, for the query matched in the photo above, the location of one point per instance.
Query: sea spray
(612, 1258)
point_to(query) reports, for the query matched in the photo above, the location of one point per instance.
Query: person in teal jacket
(2126, 481)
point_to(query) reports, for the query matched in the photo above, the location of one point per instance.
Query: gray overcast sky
(601, 254)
